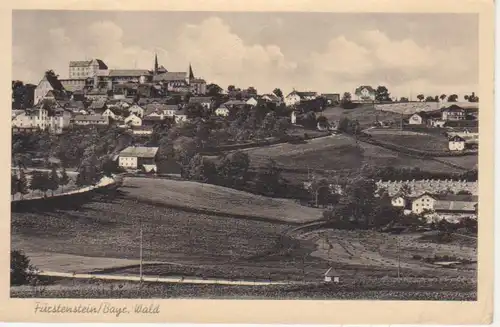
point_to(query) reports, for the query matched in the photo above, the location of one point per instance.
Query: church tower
(189, 74)
(156, 65)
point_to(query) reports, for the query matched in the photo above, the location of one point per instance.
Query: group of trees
(390, 173)
(443, 97)
(42, 181)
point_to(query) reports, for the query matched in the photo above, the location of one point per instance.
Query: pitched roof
(369, 88)
(198, 80)
(152, 118)
(129, 72)
(170, 76)
(86, 63)
(272, 96)
(453, 108)
(331, 273)
(457, 197)
(139, 151)
(97, 104)
(200, 99)
(90, 118)
(303, 94)
(330, 95)
(171, 107)
(234, 103)
(454, 206)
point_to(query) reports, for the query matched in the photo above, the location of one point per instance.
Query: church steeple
(191, 75)
(156, 65)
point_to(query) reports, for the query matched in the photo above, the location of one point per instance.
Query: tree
(40, 181)
(201, 169)
(22, 183)
(21, 269)
(64, 179)
(231, 88)
(252, 90)
(233, 168)
(382, 94)
(453, 98)
(403, 99)
(430, 99)
(466, 97)
(53, 180)
(442, 97)
(213, 89)
(420, 97)
(268, 179)
(472, 98)
(14, 185)
(278, 93)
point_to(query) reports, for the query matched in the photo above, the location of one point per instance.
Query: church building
(181, 82)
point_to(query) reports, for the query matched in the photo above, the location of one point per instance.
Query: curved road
(158, 279)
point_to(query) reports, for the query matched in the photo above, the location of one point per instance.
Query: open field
(467, 162)
(218, 199)
(411, 140)
(366, 115)
(339, 152)
(366, 289)
(381, 250)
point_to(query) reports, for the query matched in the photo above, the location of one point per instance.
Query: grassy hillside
(365, 114)
(218, 200)
(339, 153)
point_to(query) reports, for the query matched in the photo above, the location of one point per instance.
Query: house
(84, 120)
(416, 119)
(423, 202)
(180, 116)
(272, 98)
(133, 120)
(453, 112)
(180, 81)
(235, 104)
(154, 110)
(456, 143)
(138, 157)
(399, 201)
(49, 83)
(136, 110)
(252, 102)
(295, 97)
(97, 95)
(222, 111)
(150, 121)
(98, 105)
(170, 110)
(206, 102)
(332, 276)
(365, 93)
(437, 123)
(85, 68)
(142, 130)
(109, 113)
(456, 204)
(331, 98)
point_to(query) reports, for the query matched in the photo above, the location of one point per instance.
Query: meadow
(366, 115)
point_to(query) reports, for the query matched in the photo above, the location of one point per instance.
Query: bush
(417, 257)
(21, 270)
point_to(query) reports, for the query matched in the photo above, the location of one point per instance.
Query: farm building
(133, 120)
(445, 204)
(222, 111)
(138, 158)
(332, 276)
(416, 119)
(453, 112)
(365, 93)
(296, 97)
(456, 143)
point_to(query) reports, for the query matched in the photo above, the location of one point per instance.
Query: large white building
(39, 119)
(86, 68)
(138, 157)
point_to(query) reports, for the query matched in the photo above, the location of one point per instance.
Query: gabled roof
(152, 118)
(453, 108)
(86, 63)
(139, 151)
(369, 88)
(235, 103)
(331, 273)
(97, 104)
(272, 97)
(456, 138)
(198, 80)
(129, 72)
(95, 118)
(171, 107)
(458, 197)
(200, 99)
(170, 76)
(331, 95)
(304, 94)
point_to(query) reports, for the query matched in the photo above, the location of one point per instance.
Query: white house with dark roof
(365, 93)
(273, 98)
(456, 143)
(136, 110)
(85, 68)
(133, 120)
(206, 102)
(138, 157)
(295, 97)
(222, 111)
(49, 87)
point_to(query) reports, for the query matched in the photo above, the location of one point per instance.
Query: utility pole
(399, 258)
(140, 256)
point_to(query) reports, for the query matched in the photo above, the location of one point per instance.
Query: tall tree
(14, 185)
(420, 97)
(278, 93)
(22, 186)
(231, 88)
(382, 94)
(64, 179)
(268, 179)
(251, 90)
(453, 98)
(53, 180)
(213, 89)
(442, 97)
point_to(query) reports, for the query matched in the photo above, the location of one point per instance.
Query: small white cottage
(456, 143)
(332, 276)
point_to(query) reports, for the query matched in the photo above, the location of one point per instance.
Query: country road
(163, 279)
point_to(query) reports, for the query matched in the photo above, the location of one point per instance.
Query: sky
(324, 52)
